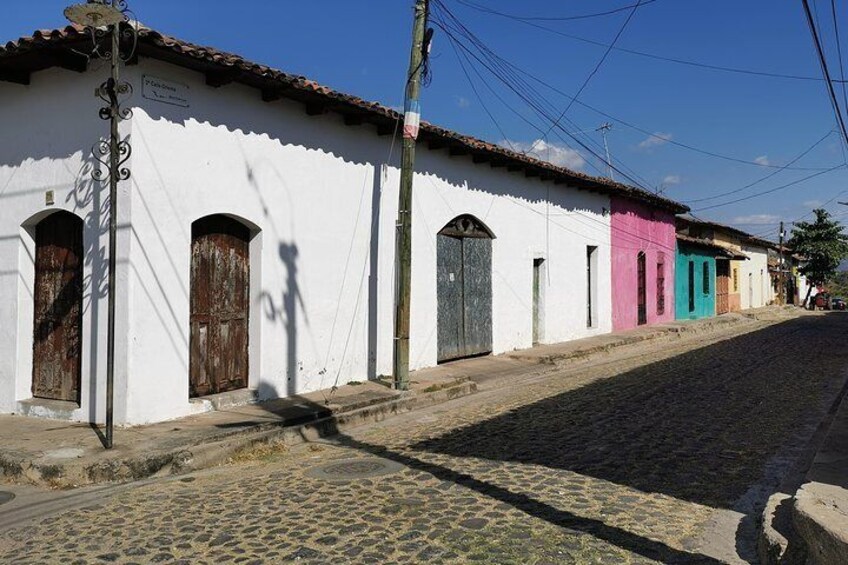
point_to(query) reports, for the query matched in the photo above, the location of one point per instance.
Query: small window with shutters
(706, 277)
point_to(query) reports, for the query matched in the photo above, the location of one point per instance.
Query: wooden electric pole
(403, 246)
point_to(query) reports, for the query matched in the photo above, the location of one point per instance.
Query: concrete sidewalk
(65, 454)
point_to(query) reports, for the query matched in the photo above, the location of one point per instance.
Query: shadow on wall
(247, 119)
(326, 134)
(91, 195)
(286, 313)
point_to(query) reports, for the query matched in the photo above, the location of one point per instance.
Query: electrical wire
(825, 71)
(553, 18)
(460, 56)
(768, 176)
(517, 69)
(654, 56)
(839, 51)
(605, 227)
(772, 190)
(597, 66)
(493, 64)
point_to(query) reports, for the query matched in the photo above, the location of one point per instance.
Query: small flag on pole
(411, 119)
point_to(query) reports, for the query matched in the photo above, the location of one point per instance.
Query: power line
(598, 66)
(493, 63)
(553, 18)
(839, 51)
(460, 56)
(823, 62)
(654, 56)
(506, 73)
(768, 176)
(771, 190)
(634, 127)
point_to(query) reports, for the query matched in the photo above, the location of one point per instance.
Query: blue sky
(363, 48)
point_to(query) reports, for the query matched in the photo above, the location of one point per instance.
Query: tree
(823, 246)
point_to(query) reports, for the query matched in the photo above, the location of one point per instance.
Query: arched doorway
(57, 297)
(220, 304)
(464, 289)
(641, 289)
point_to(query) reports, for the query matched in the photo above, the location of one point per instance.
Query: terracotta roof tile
(293, 83)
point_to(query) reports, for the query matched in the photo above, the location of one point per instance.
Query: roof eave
(52, 48)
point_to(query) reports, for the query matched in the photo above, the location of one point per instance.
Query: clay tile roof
(721, 251)
(29, 54)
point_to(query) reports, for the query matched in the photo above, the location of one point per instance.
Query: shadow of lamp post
(103, 19)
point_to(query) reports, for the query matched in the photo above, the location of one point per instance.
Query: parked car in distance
(837, 303)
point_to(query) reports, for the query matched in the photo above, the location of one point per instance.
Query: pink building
(643, 256)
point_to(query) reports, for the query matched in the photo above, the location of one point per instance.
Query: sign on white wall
(165, 91)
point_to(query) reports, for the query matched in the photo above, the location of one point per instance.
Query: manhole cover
(6, 496)
(351, 469)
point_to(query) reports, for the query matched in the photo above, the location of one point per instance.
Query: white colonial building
(256, 236)
(756, 289)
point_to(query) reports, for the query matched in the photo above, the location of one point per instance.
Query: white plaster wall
(323, 198)
(49, 127)
(754, 272)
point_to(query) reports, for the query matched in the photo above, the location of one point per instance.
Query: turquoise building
(695, 278)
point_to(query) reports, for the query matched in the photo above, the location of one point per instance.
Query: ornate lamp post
(104, 18)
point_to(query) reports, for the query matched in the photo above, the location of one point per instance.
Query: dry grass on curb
(260, 451)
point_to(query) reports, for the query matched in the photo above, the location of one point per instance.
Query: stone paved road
(628, 459)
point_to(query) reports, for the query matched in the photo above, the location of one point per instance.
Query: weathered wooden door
(220, 304)
(57, 308)
(722, 287)
(642, 289)
(464, 289)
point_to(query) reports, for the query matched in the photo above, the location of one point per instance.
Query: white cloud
(559, 155)
(762, 160)
(670, 180)
(655, 140)
(812, 204)
(462, 102)
(756, 220)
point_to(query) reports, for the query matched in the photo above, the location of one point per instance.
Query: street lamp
(112, 153)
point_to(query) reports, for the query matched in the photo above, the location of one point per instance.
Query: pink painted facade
(640, 229)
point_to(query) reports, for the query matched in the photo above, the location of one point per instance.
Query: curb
(821, 523)
(216, 452)
(660, 332)
(810, 526)
(323, 423)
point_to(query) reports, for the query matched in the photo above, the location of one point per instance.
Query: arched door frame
(253, 238)
(464, 288)
(67, 306)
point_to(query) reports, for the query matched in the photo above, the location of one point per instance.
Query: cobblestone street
(627, 458)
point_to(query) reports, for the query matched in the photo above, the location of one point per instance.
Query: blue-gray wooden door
(451, 312)
(464, 288)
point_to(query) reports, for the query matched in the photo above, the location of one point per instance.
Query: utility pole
(403, 245)
(604, 128)
(782, 266)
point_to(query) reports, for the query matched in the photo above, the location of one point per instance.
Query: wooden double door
(220, 305)
(464, 289)
(57, 308)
